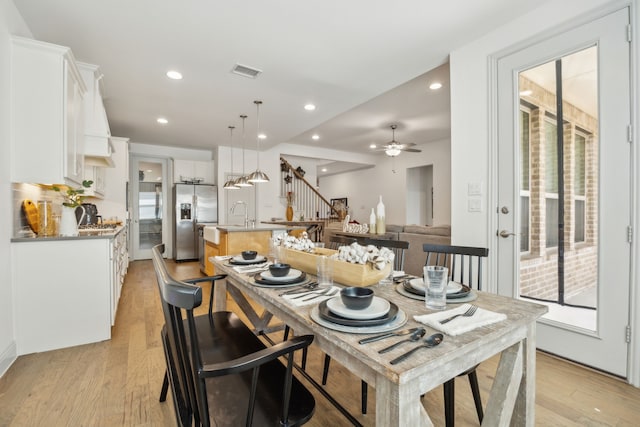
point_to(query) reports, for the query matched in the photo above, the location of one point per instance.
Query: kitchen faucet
(246, 213)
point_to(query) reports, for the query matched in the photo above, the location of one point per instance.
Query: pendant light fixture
(242, 181)
(258, 175)
(230, 184)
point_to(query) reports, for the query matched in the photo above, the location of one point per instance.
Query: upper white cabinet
(46, 114)
(193, 170)
(98, 147)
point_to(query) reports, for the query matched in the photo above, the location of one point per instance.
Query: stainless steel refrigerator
(194, 204)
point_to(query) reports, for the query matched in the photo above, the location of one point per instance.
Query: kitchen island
(67, 288)
(223, 240)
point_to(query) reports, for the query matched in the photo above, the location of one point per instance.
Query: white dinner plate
(418, 284)
(378, 308)
(397, 322)
(239, 260)
(293, 274)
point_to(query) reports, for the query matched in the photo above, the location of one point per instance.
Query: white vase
(68, 221)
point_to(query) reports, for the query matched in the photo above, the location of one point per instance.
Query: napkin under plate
(461, 324)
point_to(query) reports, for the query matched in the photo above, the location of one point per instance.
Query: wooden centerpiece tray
(344, 273)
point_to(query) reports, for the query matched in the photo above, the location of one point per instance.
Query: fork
(301, 289)
(467, 313)
(327, 293)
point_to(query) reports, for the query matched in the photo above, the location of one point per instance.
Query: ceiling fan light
(258, 176)
(392, 151)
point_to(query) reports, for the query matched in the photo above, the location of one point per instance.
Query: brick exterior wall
(538, 267)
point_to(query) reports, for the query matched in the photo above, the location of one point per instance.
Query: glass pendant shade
(243, 180)
(392, 151)
(231, 184)
(258, 176)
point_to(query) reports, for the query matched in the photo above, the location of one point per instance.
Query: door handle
(505, 234)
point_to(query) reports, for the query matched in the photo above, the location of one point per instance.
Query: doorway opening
(420, 195)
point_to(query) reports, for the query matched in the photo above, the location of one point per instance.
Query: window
(579, 187)
(525, 194)
(551, 182)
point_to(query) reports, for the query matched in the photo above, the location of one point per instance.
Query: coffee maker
(90, 214)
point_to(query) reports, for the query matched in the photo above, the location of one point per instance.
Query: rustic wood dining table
(399, 387)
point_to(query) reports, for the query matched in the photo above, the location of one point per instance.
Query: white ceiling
(362, 62)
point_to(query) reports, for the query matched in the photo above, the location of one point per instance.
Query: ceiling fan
(394, 148)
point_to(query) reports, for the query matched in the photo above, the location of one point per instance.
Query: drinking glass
(325, 271)
(436, 279)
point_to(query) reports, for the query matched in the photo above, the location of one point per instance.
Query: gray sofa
(416, 235)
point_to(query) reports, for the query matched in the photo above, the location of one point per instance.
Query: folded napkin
(222, 257)
(248, 269)
(300, 303)
(397, 273)
(461, 324)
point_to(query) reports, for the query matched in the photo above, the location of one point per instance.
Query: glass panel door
(564, 188)
(149, 208)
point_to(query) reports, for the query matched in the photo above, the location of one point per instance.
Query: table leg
(220, 295)
(399, 405)
(524, 410)
(504, 392)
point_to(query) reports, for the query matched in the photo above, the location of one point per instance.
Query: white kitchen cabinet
(66, 290)
(190, 170)
(47, 114)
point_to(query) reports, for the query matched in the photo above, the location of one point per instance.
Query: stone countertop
(258, 227)
(84, 235)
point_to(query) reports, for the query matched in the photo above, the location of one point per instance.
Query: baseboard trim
(7, 357)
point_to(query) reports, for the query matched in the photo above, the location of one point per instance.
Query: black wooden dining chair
(398, 247)
(336, 241)
(220, 372)
(465, 266)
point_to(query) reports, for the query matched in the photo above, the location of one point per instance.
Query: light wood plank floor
(117, 382)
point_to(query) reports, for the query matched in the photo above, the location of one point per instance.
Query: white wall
(10, 23)
(470, 121)
(363, 188)
(269, 203)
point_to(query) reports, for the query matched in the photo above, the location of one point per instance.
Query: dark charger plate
(258, 260)
(330, 316)
(261, 280)
(460, 294)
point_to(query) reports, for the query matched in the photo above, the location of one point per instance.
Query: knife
(387, 335)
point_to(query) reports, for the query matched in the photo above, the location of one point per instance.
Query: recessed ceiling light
(323, 169)
(315, 137)
(149, 170)
(309, 107)
(526, 92)
(158, 178)
(262, 136)
(372, 146)
(174, 75)
(435, 85)
(162, 120)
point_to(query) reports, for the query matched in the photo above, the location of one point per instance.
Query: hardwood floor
(117, 382)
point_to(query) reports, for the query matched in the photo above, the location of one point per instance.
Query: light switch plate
(474, 204)
(474, 189)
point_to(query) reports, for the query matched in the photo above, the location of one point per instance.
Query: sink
(212, 234)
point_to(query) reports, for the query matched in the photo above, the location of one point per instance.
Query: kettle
(90, 214)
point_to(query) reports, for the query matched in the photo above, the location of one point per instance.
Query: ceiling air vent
(243, 70)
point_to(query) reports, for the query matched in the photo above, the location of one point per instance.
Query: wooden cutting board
(31, 213)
